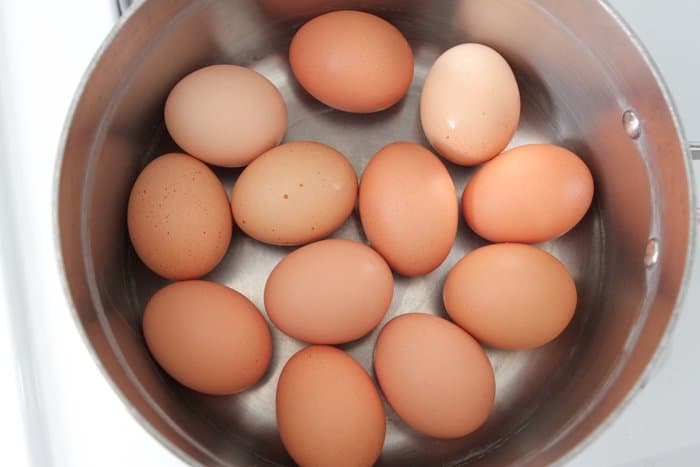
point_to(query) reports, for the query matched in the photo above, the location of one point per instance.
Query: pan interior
(564, 99)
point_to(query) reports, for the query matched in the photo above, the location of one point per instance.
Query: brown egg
(352, 61)
(408, 208)
(207, 337)
(529, 194)
(470, 104)
(510, 296)
(179, 217)
(434, 375)
(328, 411)
(226, 115)
(329, 292)
(295, 193)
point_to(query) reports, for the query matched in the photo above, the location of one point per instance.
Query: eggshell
(329, 292)
(408, 208)
(295, 193)
(529, 194)
(226, 115)
(208, 337)
(434, 375)
(510, 295)
(328, 411)
(179, 217)
(352, 61)
(470, 104)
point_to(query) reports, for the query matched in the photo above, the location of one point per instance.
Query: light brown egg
(179, 217)
(434, 375)
(208, 337)
(226, 115)
(328, 411)
(295, 193)
(329, 292)
(352, 61)
(408, 208)
(470, 104)
(510, 296)
(529, 194)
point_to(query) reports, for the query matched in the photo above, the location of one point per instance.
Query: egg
(434, 375)
(510, 296)
(352, 61)
(179, 217)
(225, 115)
(329, 292)
(328, 411)
(470, 104)
(408, 208)
(294, 194)
(208, 337)
(529, 194)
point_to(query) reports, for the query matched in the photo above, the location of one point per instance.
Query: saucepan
(586, 83)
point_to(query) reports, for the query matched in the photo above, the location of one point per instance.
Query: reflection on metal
(632, 124)
(651, 253)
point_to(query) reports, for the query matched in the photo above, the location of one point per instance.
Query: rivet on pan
(632, 124)
(651, 253)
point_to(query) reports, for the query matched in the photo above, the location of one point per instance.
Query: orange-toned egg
(408, 208)
(328, 411)
(352, 61)
(226, 115)
(179, 217)
(470, 104)
(207, 337)
(329, 292)
(294, 194)
(434, 375)
(528, 194)
(510, 296)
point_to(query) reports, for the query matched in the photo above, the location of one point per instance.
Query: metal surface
(575, 90)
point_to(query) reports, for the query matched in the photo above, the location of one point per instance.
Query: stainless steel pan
(585, 83)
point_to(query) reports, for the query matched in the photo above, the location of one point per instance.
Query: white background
(57, 395)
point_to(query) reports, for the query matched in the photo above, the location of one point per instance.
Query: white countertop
(72, 415)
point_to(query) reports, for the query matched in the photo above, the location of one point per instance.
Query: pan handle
(122, 5)
(695, 150)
